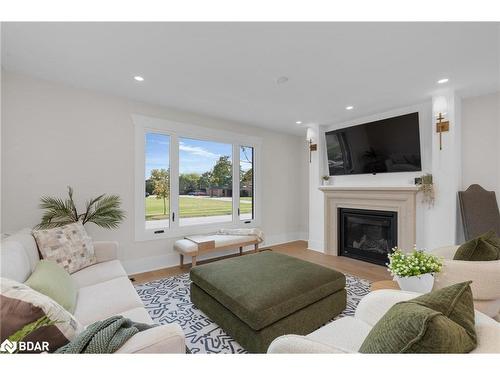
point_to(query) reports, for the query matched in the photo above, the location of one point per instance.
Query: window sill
(149, 235)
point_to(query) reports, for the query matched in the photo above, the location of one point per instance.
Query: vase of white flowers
(415, 271)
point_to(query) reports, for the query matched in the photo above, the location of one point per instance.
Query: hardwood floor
(296, 249)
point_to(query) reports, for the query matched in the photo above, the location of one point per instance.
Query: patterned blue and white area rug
(168, 301)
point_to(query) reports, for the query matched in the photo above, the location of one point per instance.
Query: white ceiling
(228, 70)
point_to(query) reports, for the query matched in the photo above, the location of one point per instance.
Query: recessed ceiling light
(298, 122)
(443, 80)
(139, 78)
(281, 80)
(349, 107)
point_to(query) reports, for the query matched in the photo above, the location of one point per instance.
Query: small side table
(384, 284)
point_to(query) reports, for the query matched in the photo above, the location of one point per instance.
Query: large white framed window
(191, 179)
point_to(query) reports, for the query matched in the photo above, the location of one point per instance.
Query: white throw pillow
(69, 246)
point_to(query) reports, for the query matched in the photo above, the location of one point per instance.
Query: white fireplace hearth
(399, 199)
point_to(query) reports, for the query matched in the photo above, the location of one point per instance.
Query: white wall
(55, 135)
(481, 142)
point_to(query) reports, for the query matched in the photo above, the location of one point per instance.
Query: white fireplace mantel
(326, 188)
(400, 199)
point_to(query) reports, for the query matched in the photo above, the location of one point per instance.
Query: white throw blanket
(243, 232)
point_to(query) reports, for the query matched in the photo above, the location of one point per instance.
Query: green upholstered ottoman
(256, 298)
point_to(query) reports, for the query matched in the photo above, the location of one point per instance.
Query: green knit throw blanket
(103, 337)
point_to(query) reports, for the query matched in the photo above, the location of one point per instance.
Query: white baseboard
(146, 264)
(139, 265)
(284, 238)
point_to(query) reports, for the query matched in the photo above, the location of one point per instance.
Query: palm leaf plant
(104, 211)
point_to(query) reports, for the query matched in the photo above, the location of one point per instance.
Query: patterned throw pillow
(69, 246)
(21, 305)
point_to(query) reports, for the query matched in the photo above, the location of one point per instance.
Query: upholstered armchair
(485, 276)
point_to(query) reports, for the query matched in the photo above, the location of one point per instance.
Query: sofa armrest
(105, 250)
(291, 344)
(167, 338)
(375, 304)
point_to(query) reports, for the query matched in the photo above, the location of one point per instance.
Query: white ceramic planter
(419, 284)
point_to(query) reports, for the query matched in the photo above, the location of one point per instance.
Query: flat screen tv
(388, 145)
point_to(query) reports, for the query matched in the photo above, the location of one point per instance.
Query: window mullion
(236, 183)
(174, 182)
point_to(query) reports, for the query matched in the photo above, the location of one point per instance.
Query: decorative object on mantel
(440, 107)
(104, 211)
(426, 186)
(415, 271)
(325, 179)
(312, 147)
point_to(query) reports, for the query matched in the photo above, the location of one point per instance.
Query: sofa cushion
(263, 288)
(346, 334)
(98, 273)
(55, 282)
(20, 305)
(26, 239)
(14, 262)
(100, 301)
(482, 248)
(18, 256)
(438, 322)
(68, 245)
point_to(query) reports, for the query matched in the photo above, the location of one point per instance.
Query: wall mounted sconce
(441, 127)
(440, 107)
(312, 147)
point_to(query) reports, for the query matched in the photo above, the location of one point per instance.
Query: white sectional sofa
(346, 335)
(104, 290)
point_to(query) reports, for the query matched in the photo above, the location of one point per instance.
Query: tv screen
(388, 145)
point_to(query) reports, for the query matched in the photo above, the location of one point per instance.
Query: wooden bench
(194, 246)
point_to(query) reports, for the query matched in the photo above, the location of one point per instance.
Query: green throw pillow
(55, 282)
(438, 322)
(482, 248)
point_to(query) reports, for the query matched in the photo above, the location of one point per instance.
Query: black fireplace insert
(368, 235)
